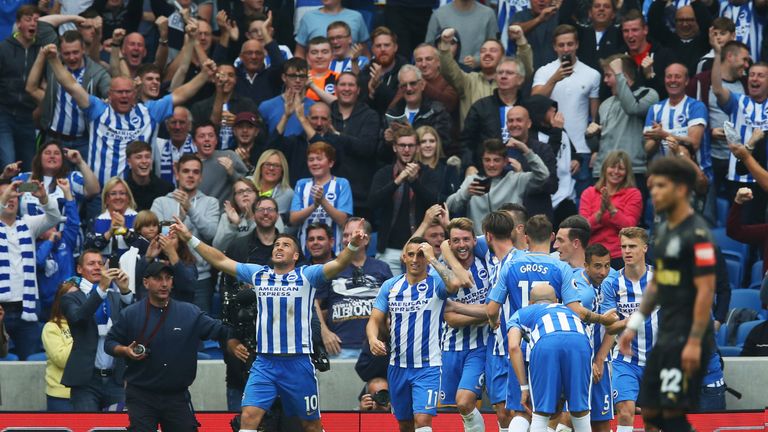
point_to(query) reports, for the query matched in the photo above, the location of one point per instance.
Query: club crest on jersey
(330, 88)
(673, 247)
(291, 277)
(135, 120)
(482, 274)
(421, 286)
(681, 118)
(330, 196)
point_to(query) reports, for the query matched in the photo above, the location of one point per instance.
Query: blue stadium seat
(735, 275)
(41, 356)
(203, 356)
(743, 331)
(209, 344)
(722, 211)
(648, 214)
(748, 298)
(756, 277)
(730, 246)
(730, 351)
(722, 335)
(10, 357)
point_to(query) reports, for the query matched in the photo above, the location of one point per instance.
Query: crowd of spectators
(244, 119)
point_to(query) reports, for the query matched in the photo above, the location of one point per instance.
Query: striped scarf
(27, 265)
(169, 154)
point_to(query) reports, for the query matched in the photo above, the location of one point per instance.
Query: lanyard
(163, 316)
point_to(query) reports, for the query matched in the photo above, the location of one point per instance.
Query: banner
(333, 422)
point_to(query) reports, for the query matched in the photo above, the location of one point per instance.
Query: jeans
(56, 404)
(24, 334)
(712, 399)
(97, 395)
(204, 294)
(17, 139)
(80, 144)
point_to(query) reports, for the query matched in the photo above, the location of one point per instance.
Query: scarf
(26, 263)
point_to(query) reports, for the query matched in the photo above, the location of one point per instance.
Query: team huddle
(537, 330)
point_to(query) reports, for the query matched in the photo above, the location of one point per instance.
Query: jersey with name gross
(284, 306)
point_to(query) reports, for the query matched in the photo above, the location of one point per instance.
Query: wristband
(193, 242)
(636, 320)
(162, 41)
(524, 387)
(352, 247)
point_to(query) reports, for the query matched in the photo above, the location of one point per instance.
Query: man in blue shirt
(284, 298)
(559, 359)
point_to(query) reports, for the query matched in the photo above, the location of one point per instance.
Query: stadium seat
(203, 356)
(41, 356)
(743, 331)
(722, 211)
(648, 214)
(730, 246)
(10, 357)
(756, 277)
(722, 335)
(209, 344)
(730, 351)
(749, 299)
(734, 272)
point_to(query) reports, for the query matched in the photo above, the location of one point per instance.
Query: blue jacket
(61, 253)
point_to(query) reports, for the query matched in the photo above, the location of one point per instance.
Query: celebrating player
(284, 295)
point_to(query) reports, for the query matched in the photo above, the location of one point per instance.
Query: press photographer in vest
(18, 281)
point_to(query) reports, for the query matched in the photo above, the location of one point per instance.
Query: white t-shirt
(572, 95)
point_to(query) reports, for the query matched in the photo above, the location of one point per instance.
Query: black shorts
(664, 384)
(146, 409)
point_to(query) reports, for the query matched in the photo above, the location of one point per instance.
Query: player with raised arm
(284, 297)
(683, 288)
(414, 303)
(624, 295)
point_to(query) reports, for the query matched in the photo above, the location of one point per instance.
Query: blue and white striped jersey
(345, 65)
(506, 10)
(111, 132)
(284, 305)
(540, 320)
(592, 299)
(499, 336)
(30, 205)
(165, 154)
(749, 25)
(338, 193)
(676, 119)
(625, 296)
(746, 115)
(474, 336)
(68, 118)
(416, 320)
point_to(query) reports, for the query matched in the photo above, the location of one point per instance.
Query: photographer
(159, 337)
(376, 397)
(480, 195)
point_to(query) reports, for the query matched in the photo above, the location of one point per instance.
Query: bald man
(687, 43)
(116, 124)
(560, 358)
(539, 200)
(258, 79)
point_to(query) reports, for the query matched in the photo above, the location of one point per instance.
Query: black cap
(154, 269)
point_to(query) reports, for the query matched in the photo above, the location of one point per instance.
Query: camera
(381, 397)
(140, 349)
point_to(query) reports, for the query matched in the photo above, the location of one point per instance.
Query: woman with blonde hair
(612, 203)
(431, 154)
(111, 228)
(57, 342)
(271, 179)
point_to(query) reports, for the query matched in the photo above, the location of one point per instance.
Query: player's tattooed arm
(452, 283)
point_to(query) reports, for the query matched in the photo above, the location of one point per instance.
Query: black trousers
(147, 409)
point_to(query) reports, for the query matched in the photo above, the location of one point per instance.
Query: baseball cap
(156, 267)
(247, 117)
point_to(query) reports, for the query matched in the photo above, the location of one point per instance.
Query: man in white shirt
(575, 87)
